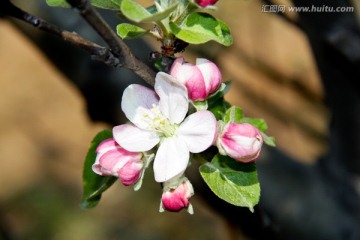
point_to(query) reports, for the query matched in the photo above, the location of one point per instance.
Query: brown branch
(117, 46)
(97, 52)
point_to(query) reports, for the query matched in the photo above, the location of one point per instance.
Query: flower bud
(113, 160)
(205, 3)
(240, 141)
(176, 198)
(201, 79)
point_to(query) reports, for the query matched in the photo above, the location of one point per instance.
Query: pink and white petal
(136, 103)
(113, 161)
(106, 145)
(96, 167)
(198, 131)
(176, 67)
(171, 159)
(134, 139)
(174, 102)
(211, 73)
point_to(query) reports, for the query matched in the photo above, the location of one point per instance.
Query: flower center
(159, 123)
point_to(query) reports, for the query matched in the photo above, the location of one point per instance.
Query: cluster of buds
(161, 124)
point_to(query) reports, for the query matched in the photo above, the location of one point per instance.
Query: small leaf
(160, 15)
(94, 185)
(233, 115)
(234, 182)
(200, 28)
(129, 31)
(259, 123)
(57, 3)
(106, 4)
(133, 11)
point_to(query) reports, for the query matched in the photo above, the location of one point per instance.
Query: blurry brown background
(45, 132)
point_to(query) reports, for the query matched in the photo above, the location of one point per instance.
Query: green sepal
(200, 105)
(93, 184)
(220, 93)
(234, 182)
(259, 123)
(269, 140)
(233, 115)
(129, 31)
(198, 28)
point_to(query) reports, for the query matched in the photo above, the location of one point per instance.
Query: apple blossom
(240, 141)
(175, 198)
(201, 79)
(113, 160)
(205, 3)
(158, 118)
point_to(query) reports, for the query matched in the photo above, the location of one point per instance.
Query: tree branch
(117, 46)
(119, 55)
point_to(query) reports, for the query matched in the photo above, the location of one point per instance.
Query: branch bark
(117, 46)
(117, 55)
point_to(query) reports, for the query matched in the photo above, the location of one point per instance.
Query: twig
(117, 46)
(97, 52)
(119, 55)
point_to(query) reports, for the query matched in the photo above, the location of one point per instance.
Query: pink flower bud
(240, 141)
(205, 3)
(175, 199)
(201, 79)
(113, 160)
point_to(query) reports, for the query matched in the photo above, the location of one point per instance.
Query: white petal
(135, 139)
(173, 95)
(136, 103)
(171, 159)
(198, 131)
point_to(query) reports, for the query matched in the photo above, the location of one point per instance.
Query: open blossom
(205, 3)
(240, 141)
(201, 79)
(175, 199)
(158, 117)
(113, 160)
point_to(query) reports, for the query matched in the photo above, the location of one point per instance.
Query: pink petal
(130, 172)
(135, 139)
(136, 102)
(106, 145)
(174, 101)
(242, 141)
(171, 159)
(211, 73)
(198, 131)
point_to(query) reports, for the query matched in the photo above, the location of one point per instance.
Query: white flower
(158, 118)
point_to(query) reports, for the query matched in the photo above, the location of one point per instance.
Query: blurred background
(54, 99)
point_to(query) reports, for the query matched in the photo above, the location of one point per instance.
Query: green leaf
(129, 31)
(234, 182)
(94, 185)
(137, 13)
(133, 11)
(57, 3)
(233, 115)
(200, 28)
(160, 15)
(259, 123)
(106, 4)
